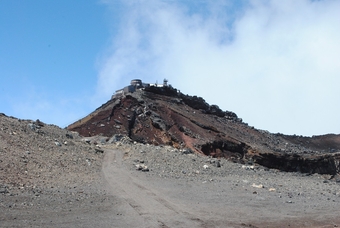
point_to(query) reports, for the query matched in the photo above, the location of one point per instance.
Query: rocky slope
(35, 154)
(49, 177)
(53, 177)
(164, 116)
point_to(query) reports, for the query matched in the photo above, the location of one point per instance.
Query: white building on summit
(138, 84)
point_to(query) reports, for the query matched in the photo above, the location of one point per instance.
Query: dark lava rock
(164, 116)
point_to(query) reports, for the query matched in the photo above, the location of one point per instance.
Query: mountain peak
(162, 115)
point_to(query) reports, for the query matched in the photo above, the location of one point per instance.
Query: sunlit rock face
(161, 115)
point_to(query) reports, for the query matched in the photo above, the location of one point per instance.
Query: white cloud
(274, 63)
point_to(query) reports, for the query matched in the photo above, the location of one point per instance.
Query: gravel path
(230, 194)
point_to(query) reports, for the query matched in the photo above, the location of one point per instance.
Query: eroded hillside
(164, 116)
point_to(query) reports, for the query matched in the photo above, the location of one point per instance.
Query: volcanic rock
(164, 116)
(93, 181)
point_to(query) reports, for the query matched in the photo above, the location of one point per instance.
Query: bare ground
(124, 197)
(235, 200)
(75, 185)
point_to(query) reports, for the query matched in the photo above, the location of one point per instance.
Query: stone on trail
(257, 185)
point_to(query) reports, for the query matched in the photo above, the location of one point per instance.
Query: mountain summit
(162, 115)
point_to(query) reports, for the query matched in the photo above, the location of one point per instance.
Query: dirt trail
(149, 200)
(147, 208)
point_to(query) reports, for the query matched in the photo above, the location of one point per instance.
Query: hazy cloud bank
(274, 63)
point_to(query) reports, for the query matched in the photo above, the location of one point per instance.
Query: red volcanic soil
(164, 116)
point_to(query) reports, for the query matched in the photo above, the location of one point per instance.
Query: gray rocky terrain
(52, 177)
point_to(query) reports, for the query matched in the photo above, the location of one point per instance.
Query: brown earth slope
(164, 116)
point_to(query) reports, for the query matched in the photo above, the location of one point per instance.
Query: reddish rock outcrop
(164, 116)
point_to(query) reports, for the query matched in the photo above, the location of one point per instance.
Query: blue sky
(274, 63)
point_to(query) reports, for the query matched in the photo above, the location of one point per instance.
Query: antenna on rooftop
(165, 82)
